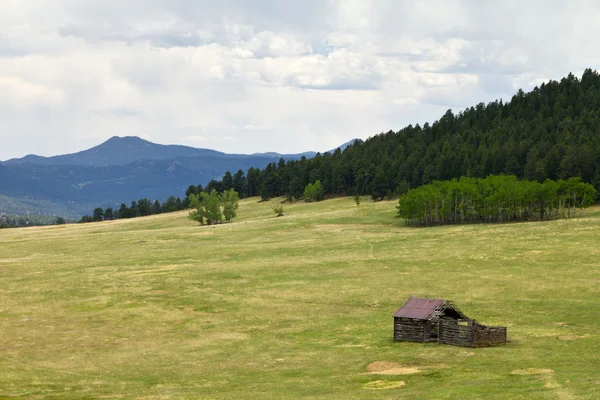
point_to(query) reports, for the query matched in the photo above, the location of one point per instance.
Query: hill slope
(160, 307)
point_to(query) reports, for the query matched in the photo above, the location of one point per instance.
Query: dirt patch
(383, 385)
(532, 371)
(390, 368)
(560, 392)
(551, 385)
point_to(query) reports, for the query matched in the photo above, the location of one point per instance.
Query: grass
(295, 307)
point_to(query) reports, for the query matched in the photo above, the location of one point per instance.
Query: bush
(278, 209)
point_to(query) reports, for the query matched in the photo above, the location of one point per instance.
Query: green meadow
(298, 306)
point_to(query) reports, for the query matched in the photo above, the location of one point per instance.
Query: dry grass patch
(573, 337)
(232, 336)
(532, 371)
(390, 368)
(383, 385)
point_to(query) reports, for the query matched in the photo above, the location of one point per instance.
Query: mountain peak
(125, 140)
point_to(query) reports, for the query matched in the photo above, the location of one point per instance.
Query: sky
(245, 76)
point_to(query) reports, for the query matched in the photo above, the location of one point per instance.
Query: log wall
(410, 330)
(456, 334)
(489, 335)
(468, 333)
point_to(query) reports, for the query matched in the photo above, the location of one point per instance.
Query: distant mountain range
(117, 171)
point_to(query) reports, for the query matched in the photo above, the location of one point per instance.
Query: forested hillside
(551, 132)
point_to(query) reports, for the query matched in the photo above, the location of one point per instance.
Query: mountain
(119, 170)
(307, 154)
(343, 146)
(552, 132)
(119, 151)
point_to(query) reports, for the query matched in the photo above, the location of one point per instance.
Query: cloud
(21, 94)
(249, 76)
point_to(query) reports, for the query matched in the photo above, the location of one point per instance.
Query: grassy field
(295, 307)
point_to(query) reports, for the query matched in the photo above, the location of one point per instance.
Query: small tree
(314, 191)
(123, 211)
(156, 207)
(227, 181)
(230, 200)
(170, 205)
(198, 213)
(278, 209)
(207, 208)
(191, 190)
(134, 212)
(60, 221)
(144, 207)
(109, 214)
(357, 200)
(98, 214)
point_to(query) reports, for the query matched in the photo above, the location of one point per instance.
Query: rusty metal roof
(418, 308)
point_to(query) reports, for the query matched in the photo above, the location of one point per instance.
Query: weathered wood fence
(469, 333)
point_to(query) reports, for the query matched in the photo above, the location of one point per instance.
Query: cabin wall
(468, 333)
(409, 330)
(489, 335)
(456, 332)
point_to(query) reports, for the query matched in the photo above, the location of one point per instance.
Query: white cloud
(22, 94)
(254, 76)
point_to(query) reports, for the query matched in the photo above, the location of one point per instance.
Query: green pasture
(298, 306)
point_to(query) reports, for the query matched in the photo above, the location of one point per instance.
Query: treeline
(548, 133)
(493, 199)
(18, 221)
(140, 208)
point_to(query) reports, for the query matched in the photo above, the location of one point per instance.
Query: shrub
(278, 209)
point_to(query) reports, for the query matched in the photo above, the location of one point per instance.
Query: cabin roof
(419, 308)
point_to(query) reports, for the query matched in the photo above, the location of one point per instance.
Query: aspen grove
(497, 198)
